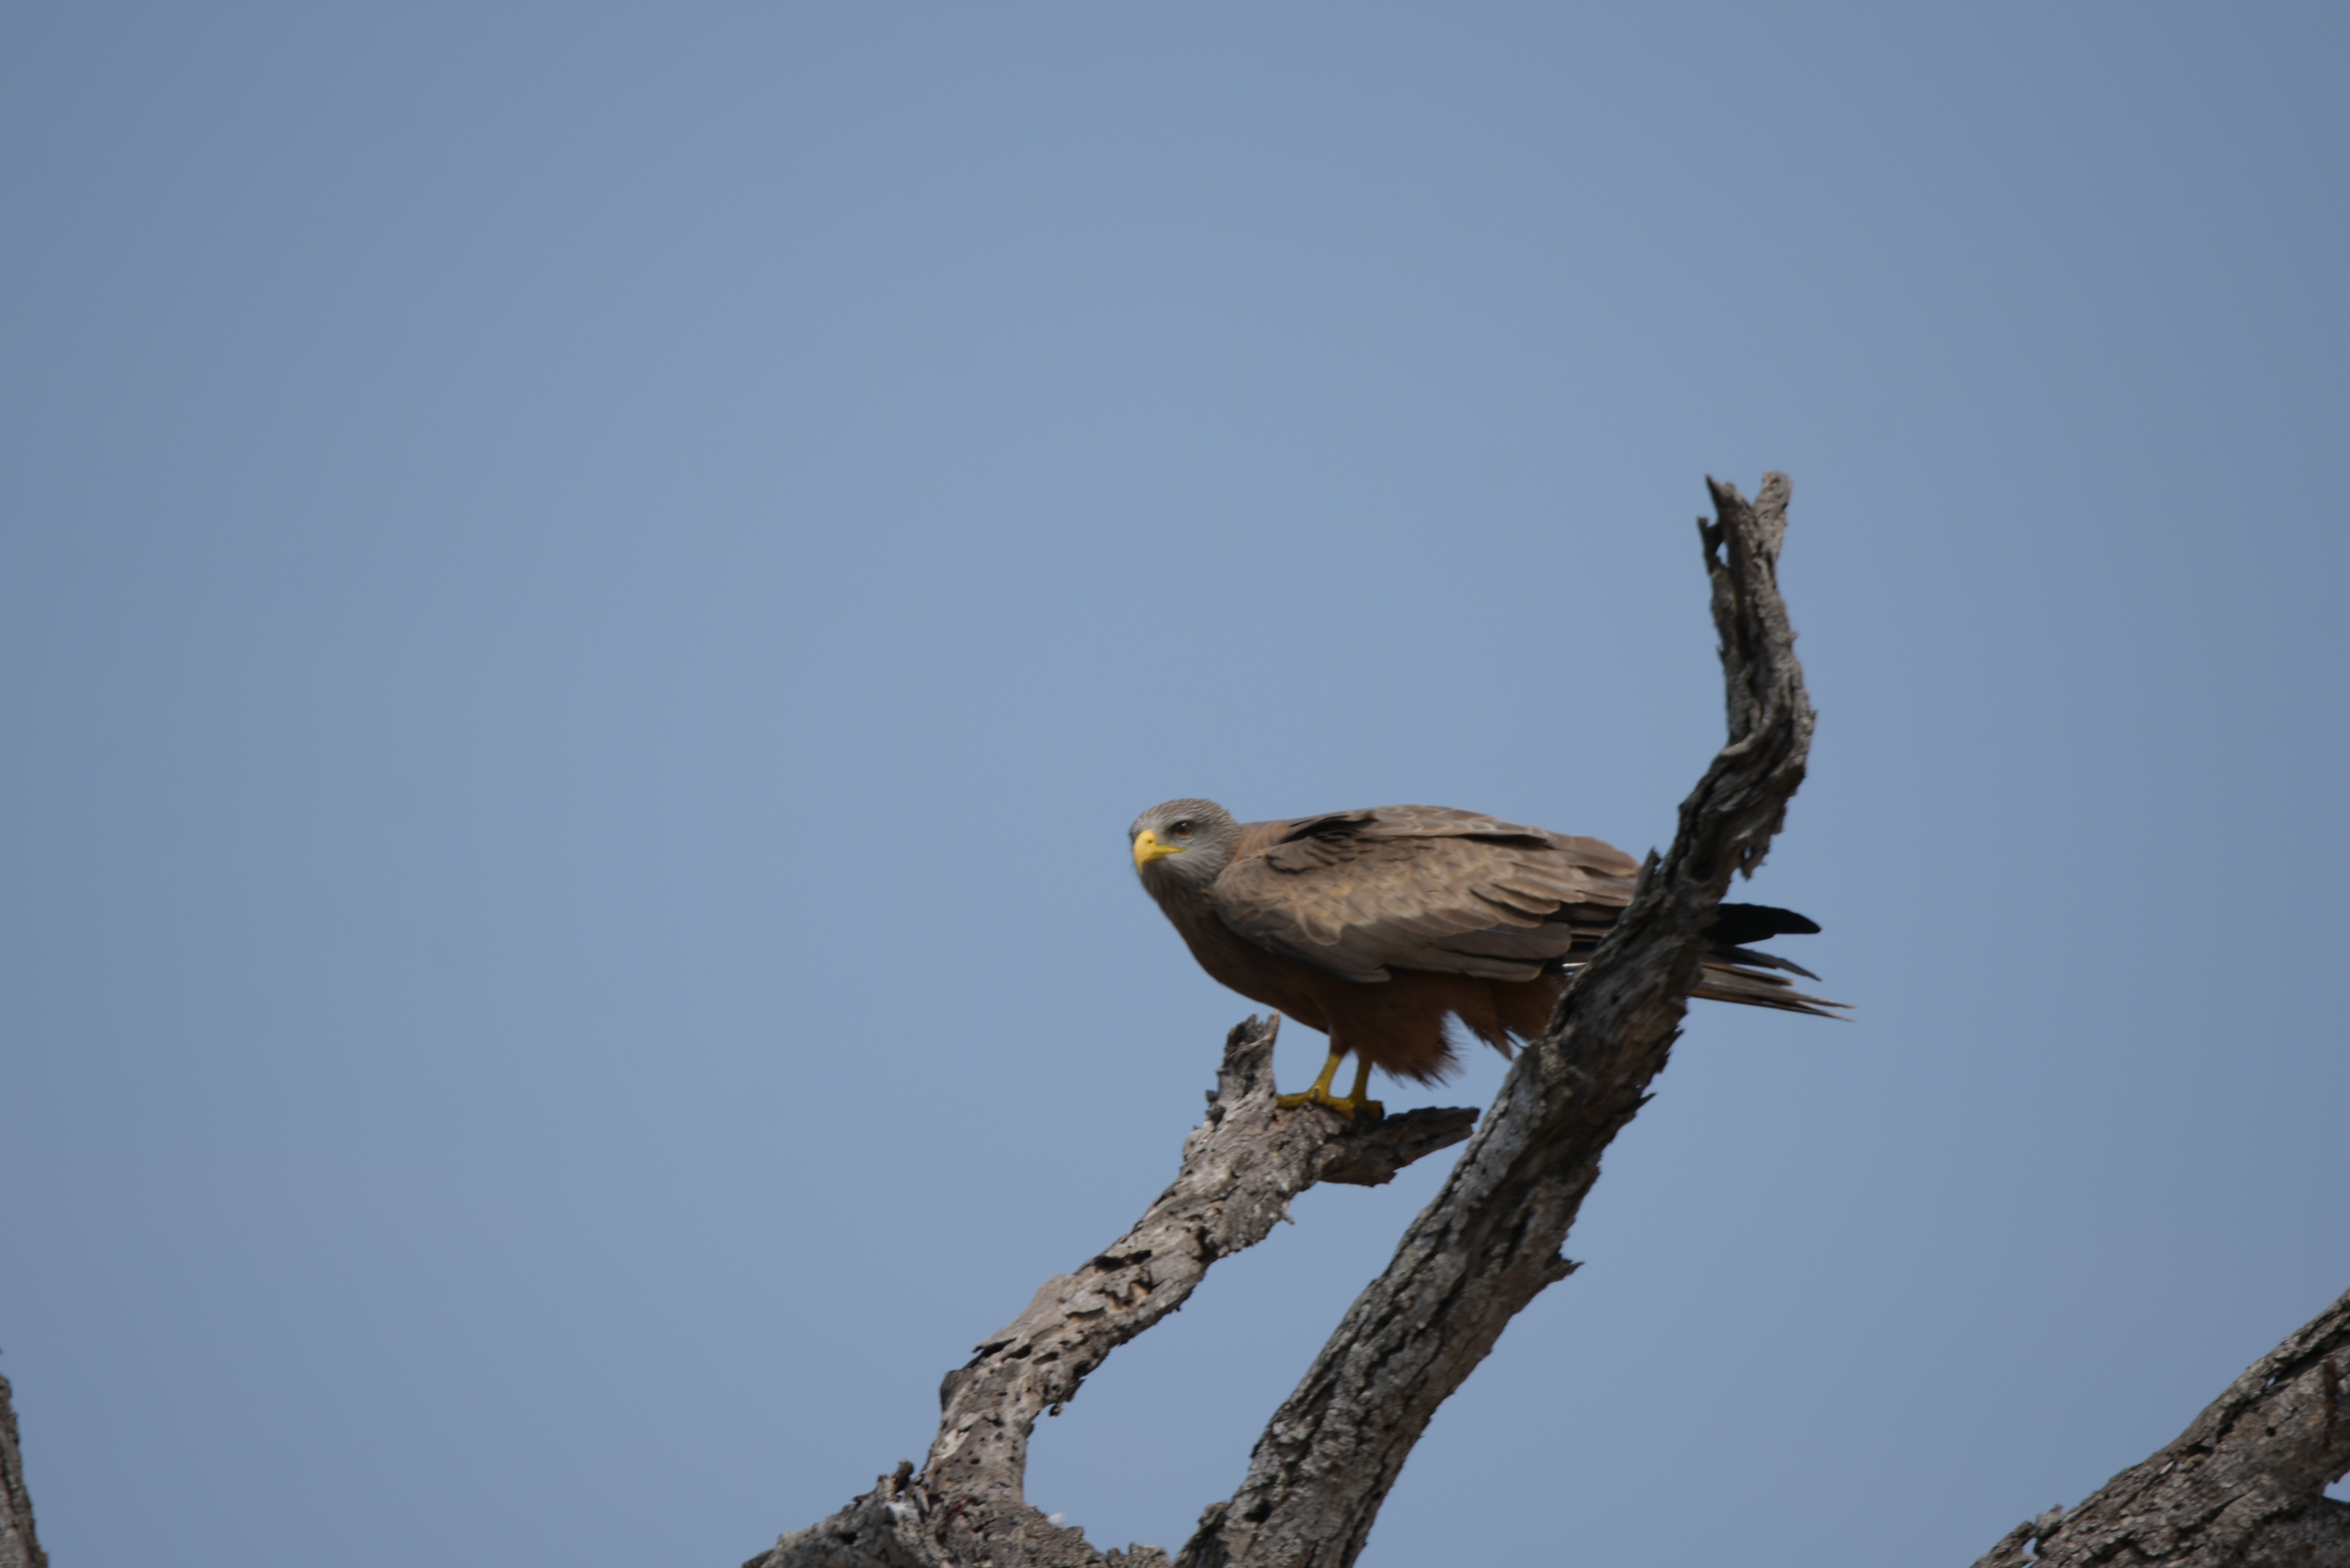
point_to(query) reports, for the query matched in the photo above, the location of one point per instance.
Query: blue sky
(587, 592)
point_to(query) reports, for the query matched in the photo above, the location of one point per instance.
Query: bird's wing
(1421, 887)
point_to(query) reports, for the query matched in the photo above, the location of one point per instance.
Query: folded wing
(1359, 893)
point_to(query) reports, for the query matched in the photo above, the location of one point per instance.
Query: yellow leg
(1320, 1095)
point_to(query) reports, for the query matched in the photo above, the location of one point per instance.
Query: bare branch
(1489, 1243)
(2244, 1486)
(19, 1547)
(1240, 1167)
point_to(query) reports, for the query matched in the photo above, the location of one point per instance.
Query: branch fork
(1242, 1166)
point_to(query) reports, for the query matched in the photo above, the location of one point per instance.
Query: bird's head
(1183, 841)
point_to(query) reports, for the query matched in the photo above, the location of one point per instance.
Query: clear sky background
(589, 592)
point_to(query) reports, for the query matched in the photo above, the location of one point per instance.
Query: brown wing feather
(1420, 887)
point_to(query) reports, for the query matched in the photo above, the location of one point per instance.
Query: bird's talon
(1368, 1110)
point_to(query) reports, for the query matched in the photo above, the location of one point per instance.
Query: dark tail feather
(1733, 971)
(1743, 925)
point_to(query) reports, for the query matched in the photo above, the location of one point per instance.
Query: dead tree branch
(19, 1547)
(1240, 1167)
(1483, 1250)
(2243, 1487)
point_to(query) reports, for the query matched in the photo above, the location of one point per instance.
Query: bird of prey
(1375, 926)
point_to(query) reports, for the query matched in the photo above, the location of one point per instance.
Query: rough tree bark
(19, 1547)
(2243, 1487)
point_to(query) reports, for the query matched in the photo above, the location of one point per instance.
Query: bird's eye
(1179, 827)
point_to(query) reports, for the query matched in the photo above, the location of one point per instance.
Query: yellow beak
(1147, 848)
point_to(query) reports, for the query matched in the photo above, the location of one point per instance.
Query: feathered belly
(1395, 1025)
(1295, 990)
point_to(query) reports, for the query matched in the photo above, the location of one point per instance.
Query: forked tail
(1734, 971)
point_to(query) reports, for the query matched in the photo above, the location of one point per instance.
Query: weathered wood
(19, 1547)
(1489, 1243)
(1240, 1167)
(2243, 1487)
